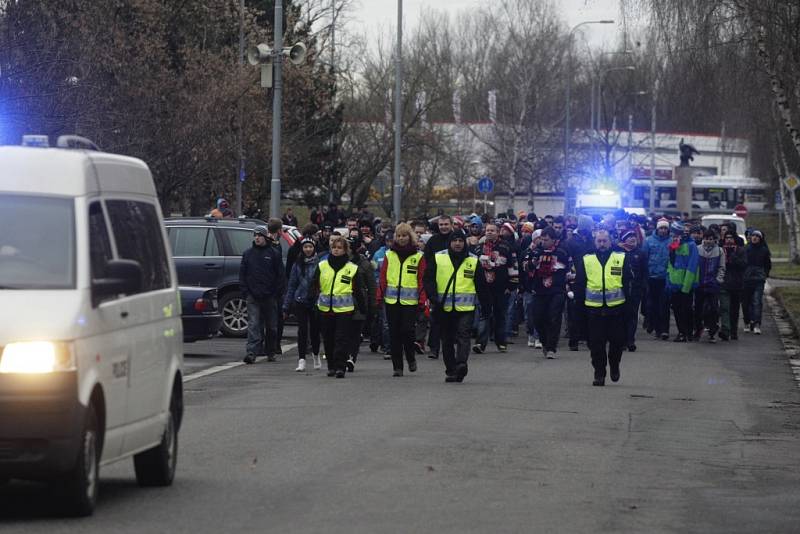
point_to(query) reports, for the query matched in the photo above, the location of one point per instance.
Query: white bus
(708, 192)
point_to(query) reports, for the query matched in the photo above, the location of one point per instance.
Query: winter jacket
(429, 282)
(712, 269)
(657, 250)
(544, 272)
(683, 266)
(735, 263)
(435, 243)
(383, 281)
(759, 264)
(366, 279)
(495, 259)
(299, 290)
(639, 264)
(581, 281)
(261, 273)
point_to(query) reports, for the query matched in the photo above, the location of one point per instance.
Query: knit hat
(758, 233)
(662, 223)
(307, 240)
(260, 229)
(626, 234)
(476, 221)
(509, 227)
(456, 234)
(676, 227)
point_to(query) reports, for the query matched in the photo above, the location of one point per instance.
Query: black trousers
(547, 313)
(706, 311)
(357, 329)
(606, 340)
(337, 332)
(576, 321)
(682, 308)
(455, 328)
(657, 306)
(402, 321)
(307, 330)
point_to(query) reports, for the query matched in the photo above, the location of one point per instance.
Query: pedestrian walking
(602, 280)
(711, 275)
(682, 274)
(496, 257)
(300, 301)
(401, 290)
(262, 281)
(577, 246)
(637, 259)
(545, 268)
(362, 317)
(730, 295)
(340, 294)
(454, 282)
(436, 243)
(656, 248)
(758, 265)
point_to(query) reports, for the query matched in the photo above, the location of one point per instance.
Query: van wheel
(79, 486)
(156, 467)
(234, 315)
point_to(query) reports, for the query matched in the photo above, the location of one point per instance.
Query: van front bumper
(41, 421)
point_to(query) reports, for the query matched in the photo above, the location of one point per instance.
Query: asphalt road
(695, 438)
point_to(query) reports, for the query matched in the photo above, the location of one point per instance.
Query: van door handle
(210, 266)
(124, 315)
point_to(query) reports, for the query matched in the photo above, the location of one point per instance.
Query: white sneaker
(551, 355)
(317, 361)
(531, 341)
(301, 365)
(757, 330)
(537, 344)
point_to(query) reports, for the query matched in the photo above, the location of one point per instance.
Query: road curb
(787, 329)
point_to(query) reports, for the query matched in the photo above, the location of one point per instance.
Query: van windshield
(37, 242)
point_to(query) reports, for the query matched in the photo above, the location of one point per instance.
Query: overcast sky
(380, 16)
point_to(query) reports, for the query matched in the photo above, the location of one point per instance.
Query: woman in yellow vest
(454, 284)
(400, 288)
(340, 294)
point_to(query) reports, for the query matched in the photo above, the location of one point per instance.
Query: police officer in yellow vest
(340, 294)
(400, 288)
(454, 283)
(602, 281)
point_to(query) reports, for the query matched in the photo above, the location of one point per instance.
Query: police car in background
(91, 348)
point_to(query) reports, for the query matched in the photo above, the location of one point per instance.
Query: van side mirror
(121, 277)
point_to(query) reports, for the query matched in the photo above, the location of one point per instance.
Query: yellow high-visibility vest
(336, 288)
(604, 286)
(401, 279)
(461, 292)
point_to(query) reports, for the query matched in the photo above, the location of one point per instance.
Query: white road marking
(230, 365)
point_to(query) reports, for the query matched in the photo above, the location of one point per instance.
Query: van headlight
(36, 357)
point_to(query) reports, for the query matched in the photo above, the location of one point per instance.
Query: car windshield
(740, 225)
(37, 244)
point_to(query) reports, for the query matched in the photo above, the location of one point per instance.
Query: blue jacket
(300, 280)
(657, 250)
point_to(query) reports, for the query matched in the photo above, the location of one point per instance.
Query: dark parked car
(208, 252)
(199, 312)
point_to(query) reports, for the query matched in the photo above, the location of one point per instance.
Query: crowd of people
(453, 285)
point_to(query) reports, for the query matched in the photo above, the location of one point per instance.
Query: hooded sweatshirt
(683, 266)
(712, 268)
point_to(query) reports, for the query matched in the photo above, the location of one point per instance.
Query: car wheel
(234, 315)
(79, 487)
(156, 466)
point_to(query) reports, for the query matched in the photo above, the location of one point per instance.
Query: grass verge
(789, 297)
(785, 270)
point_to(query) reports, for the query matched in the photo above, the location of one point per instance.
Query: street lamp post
(277, 99)
(569, 85)
(398, 114)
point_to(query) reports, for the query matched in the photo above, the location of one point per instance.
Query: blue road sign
(485, 185)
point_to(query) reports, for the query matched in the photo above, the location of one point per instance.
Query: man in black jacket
(436, 243)
(544, 272)
(262, 282)
(578, 244)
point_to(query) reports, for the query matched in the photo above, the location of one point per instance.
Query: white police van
(90, 328)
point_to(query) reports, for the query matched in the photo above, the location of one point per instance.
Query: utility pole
(653, 148)
(398, 114)
(277, 97)
(240, 178)
(333, 72)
